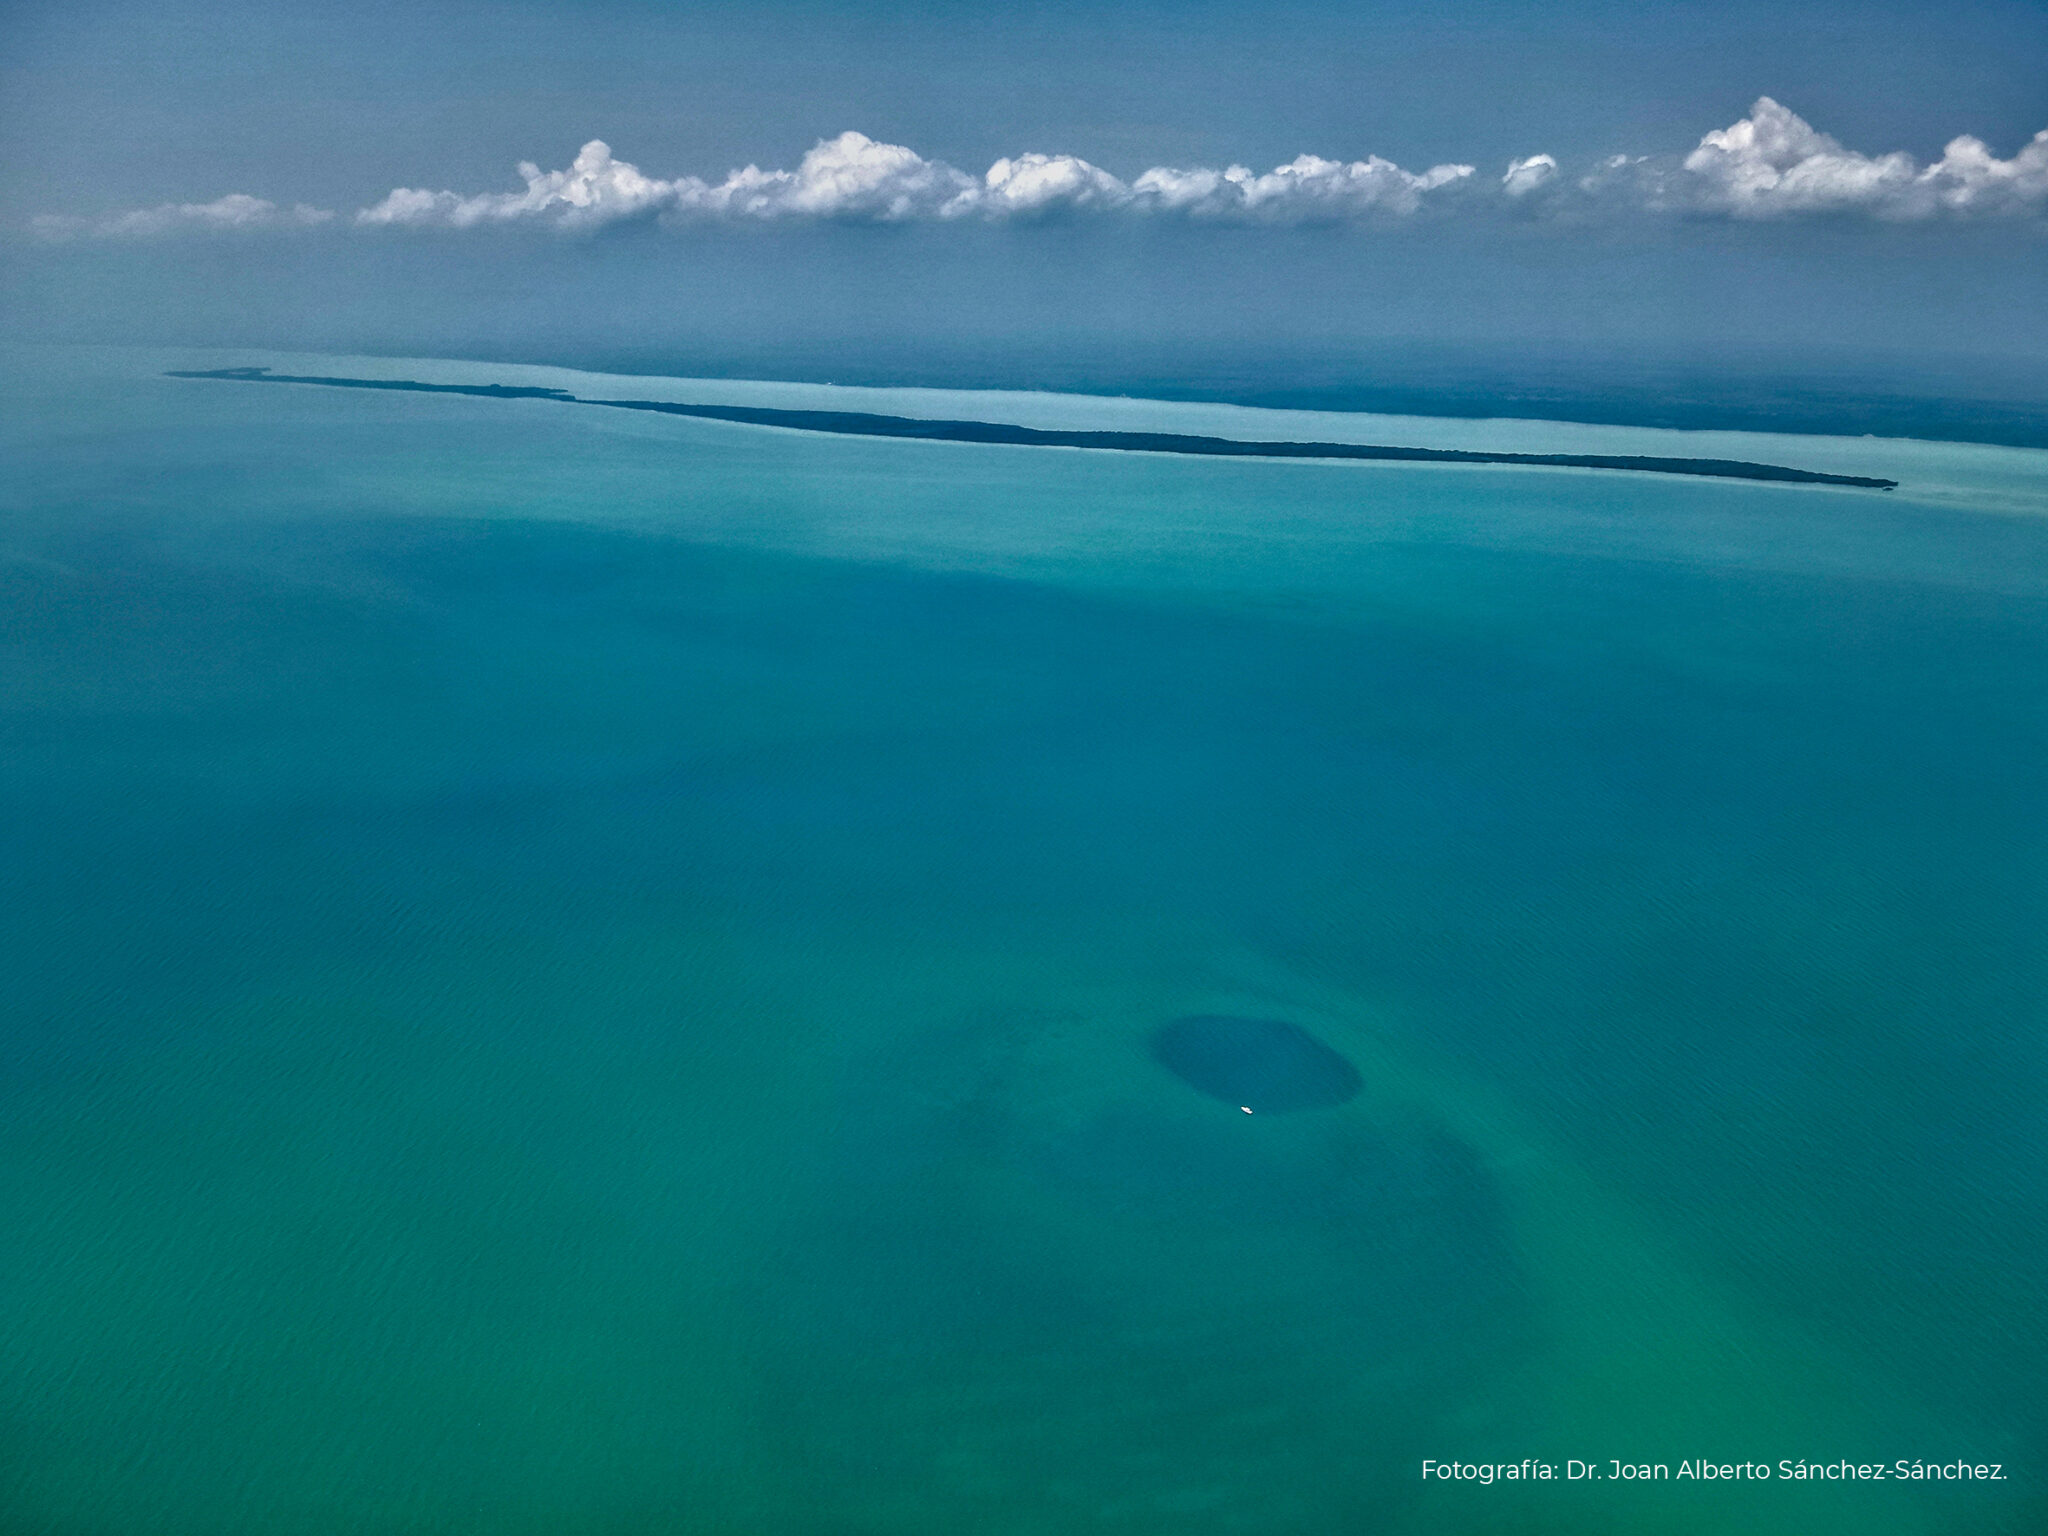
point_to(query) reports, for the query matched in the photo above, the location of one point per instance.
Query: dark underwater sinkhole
(1267, 1066)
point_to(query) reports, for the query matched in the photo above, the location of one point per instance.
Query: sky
(944, 190)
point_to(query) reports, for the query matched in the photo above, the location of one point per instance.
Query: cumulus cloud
(848, 177)
(1771, 164)
(1774, 164)
(1528, 175)
(1037, 183)
(595, 189)
(854, 177)
(237, 210)
(1307, 189)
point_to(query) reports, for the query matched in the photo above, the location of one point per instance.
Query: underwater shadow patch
(1266, 1066)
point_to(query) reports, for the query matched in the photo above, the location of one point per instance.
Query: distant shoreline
(863, 424)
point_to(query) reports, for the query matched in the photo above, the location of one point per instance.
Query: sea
(570, 972)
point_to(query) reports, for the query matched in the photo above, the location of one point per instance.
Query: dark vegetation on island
(863, 424)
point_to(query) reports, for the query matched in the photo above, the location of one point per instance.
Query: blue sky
(155, 152)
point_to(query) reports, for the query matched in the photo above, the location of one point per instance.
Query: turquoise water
(585, 975)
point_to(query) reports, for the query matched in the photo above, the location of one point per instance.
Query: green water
(586, 975)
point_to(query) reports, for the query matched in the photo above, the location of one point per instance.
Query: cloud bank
(1771, 164)
(853, 177)
(850, 177)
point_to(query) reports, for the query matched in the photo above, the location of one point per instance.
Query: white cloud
(854, 177)
(1305, 190)
(1525, 176)
(848, 177)
(1774, 164)
(238, 210)
(596, 189)
(1040, 183)
(1969, 178)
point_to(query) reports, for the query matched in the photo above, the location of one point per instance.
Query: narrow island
(864, 424)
